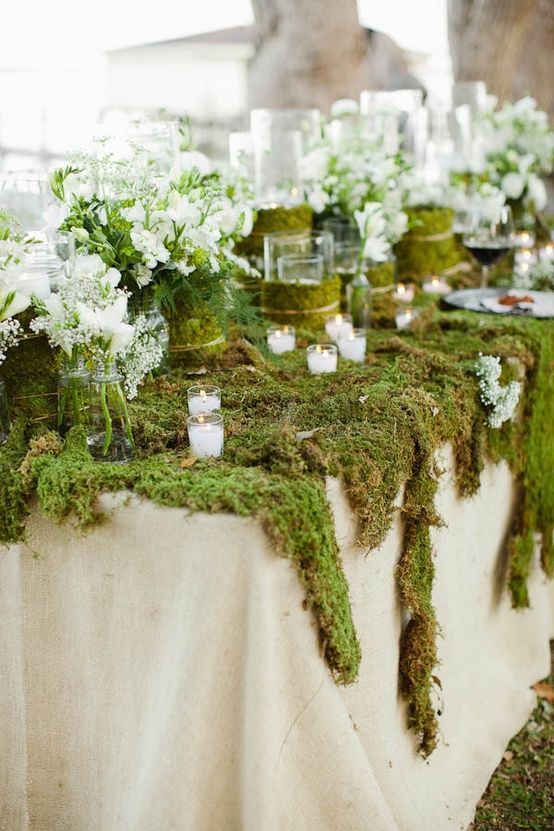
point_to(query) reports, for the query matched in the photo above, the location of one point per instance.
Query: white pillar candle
(322, 357)
(404, 319)
(206, 435)
(204, 399)
(338, 325)
(353, 346)
(436, 285)
(281, 339)
(404, 293)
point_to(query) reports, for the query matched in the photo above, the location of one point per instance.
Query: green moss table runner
(377, 427)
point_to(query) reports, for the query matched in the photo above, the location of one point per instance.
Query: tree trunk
(308, 53)
(506, 43)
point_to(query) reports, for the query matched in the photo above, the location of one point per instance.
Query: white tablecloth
(161, 674)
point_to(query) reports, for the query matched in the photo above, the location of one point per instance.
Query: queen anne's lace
(501, 401)
(141, 356)
(9, 330)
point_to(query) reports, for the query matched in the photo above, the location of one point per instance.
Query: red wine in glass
(489, 236)
(487, 254)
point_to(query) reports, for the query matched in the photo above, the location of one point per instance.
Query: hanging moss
(303, 306)
(377, 426)
(429, 247)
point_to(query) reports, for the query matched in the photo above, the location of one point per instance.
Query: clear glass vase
(358, 295)
(110, 437)
(159, 327)
(4, 413)
(73, 395)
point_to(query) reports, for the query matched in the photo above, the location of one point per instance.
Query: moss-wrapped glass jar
(429, 247)
(301, 305)
(195, 334)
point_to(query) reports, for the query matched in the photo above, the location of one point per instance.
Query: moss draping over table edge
(377, 427)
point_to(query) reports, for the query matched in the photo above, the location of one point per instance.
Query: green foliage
(303, 306)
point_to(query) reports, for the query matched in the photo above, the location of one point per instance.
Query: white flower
(141, 355)
(193, 159)
(12, 301)
(80, 234)
(107, 323)
(55, 214)
(513, 185)
(182, 211)
(313, 166)
(536, 191)
(318, 200)
(142, 275)
(344, 106)
(88, 264)
(501, 401)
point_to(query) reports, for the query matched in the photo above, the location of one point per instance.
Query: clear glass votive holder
(406, 317)
(322, 358)
(404, 293)
(281, 339)
(338, 326)
(206, 435)
(352, 345)
(300, 270)
(203, 399)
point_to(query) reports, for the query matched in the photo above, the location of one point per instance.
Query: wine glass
(489, 236)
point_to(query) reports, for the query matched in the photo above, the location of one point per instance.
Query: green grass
(520, 795)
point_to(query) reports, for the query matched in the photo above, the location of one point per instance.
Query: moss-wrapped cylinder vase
(195, 334)
(31, 376)
(430, 246)
(269, 221)
(301, 305)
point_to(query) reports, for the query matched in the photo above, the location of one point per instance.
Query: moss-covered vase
(305, 306)
(5, 424)
(195, 334)
(270, 221)
(429, 247)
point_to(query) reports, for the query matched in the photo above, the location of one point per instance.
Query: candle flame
(201, 419)
(401, 289)
(338, 319)
(318, 348)
(435, 280)
(278, 333)
(285, 330)
(203, 393)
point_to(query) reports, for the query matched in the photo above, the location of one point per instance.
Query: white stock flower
(55, 214)
(313, 165)
(12, 301)
(513, 185)
(318, 199)
(345, 106)
(536, 191)
(142, 275)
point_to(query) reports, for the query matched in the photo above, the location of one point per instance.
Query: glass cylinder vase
(110, 437)
(4, 413)
(73, 395)
(159, 327)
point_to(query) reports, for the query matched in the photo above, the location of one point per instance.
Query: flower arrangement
(354, 176)
(516, 148)
(14, 246)
(539, 277)
(86, 320)
(501, 401)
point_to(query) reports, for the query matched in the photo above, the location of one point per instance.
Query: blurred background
(64, 69)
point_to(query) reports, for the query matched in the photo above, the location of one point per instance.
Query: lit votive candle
(338, 325)
(322, 357)
(206, 435)
(523, 239)
(204, 399)
(524, 255)
(281, 339)
(352, 346)
(405, 318)
(404, 293)
(436, 285)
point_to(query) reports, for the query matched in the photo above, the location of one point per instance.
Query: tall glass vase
(110, 437)
(157, 325)
(73, 395)
(4, 413)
